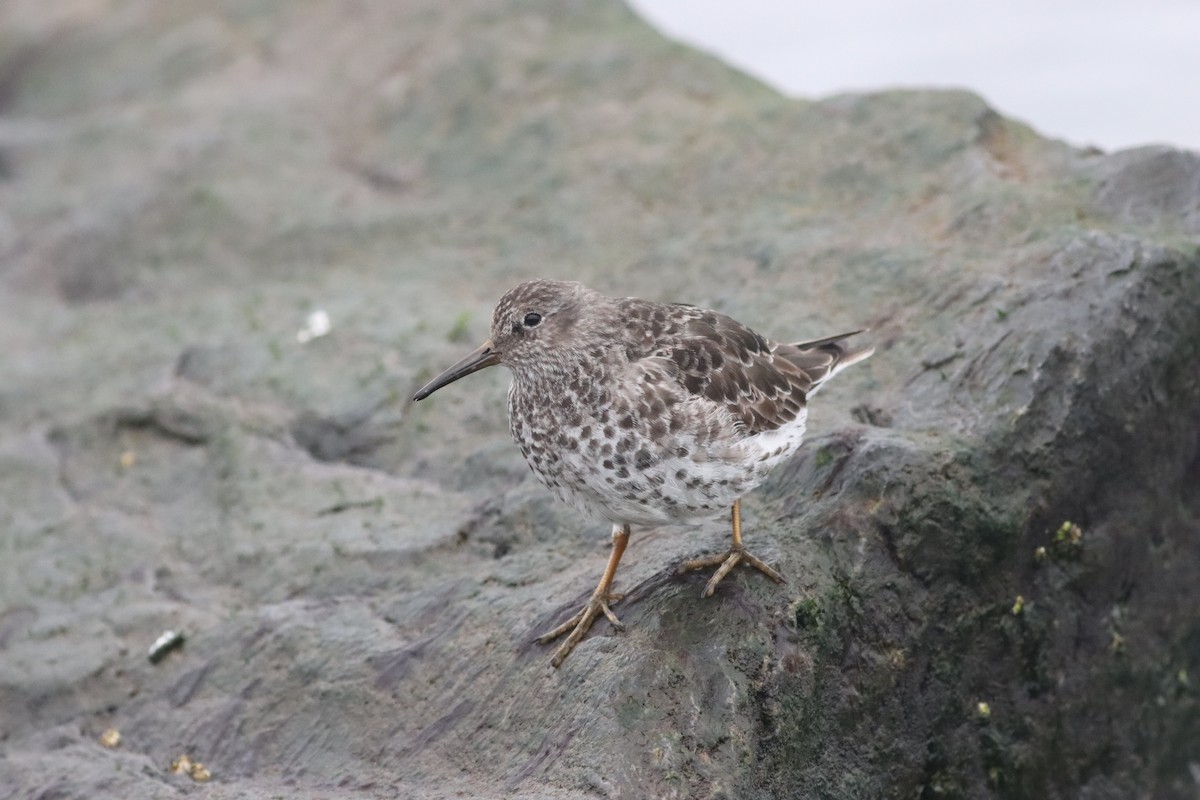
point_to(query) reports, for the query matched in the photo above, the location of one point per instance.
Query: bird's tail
(824, 358)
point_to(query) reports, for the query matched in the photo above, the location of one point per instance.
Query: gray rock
(361, 580)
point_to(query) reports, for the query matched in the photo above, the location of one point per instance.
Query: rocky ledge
(991, 538)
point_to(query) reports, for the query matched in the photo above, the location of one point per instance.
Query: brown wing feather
(719, 358)
(763, 384)
(821, 358)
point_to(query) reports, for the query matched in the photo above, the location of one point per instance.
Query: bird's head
(531, 326)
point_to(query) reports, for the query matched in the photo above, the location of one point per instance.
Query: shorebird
(645, 413)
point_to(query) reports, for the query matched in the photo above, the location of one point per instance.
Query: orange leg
(736, 555)
(579, 624)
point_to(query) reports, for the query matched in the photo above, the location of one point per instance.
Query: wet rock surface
(991, 538)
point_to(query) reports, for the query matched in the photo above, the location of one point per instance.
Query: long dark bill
(483, 356)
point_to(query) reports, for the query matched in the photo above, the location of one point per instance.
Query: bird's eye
(533, 319)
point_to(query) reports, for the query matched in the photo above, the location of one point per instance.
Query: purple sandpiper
(644, 413)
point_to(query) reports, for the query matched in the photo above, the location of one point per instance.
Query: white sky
(1113, 73)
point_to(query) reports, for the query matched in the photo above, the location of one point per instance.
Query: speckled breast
(610, 459)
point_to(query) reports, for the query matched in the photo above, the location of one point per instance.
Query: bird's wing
(717, 358)
(821, 359)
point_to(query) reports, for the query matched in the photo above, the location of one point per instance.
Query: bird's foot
(728, 561)
(579, 624)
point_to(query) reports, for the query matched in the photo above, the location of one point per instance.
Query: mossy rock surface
(991, 539)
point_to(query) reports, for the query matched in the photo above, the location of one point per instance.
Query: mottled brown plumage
(643, 412)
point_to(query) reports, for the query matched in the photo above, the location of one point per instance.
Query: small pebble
(316, 325)
(168, 641)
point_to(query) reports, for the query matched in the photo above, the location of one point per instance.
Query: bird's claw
(727, 562)
(579, 624)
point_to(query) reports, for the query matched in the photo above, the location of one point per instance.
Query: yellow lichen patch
(183, 765)
(1069, 532)
(1068, 540)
